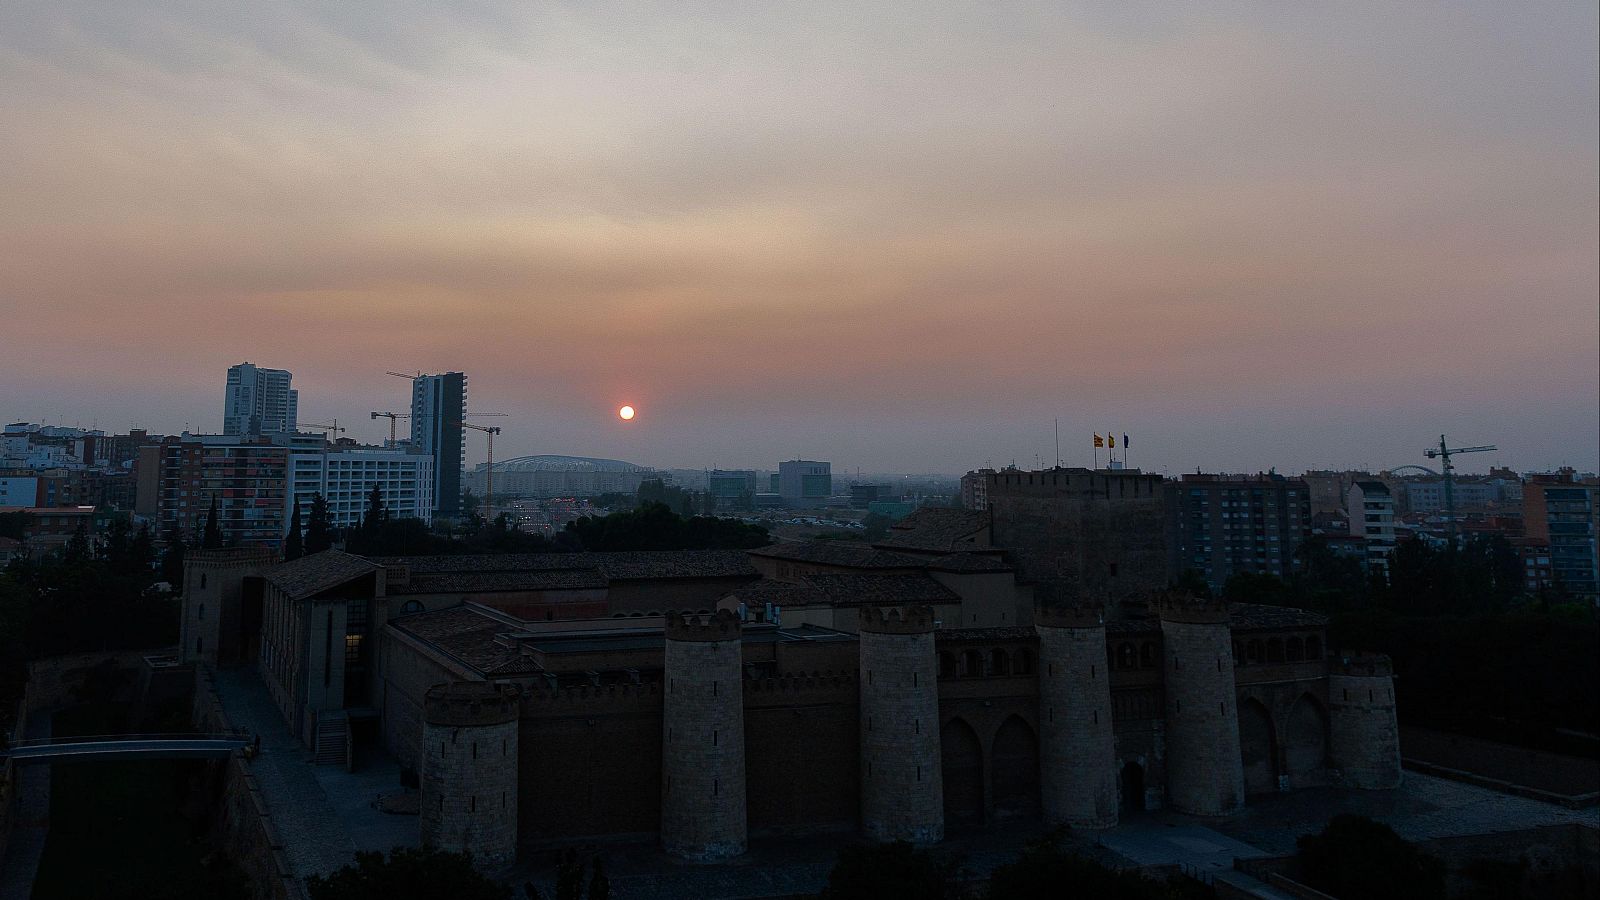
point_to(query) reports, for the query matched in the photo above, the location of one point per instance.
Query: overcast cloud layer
(1282, 235)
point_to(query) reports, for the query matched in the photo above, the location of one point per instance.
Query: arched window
(1127, 657)
(999, 662)
(410, 607)
(1313, 647)
(947, 664)
(1024, 661)
(972, 663)
(1147, 655)
(1253, 650)
(1274, 650)
(1238, 653)
(1295, 649)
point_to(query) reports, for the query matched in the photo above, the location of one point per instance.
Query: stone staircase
(333, 739)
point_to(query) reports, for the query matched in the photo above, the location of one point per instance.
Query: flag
(1111, 440)
(1099, 441)
(1124, 440)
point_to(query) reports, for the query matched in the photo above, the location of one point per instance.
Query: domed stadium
(552, 475)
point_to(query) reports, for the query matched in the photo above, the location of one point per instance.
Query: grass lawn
(117, 829)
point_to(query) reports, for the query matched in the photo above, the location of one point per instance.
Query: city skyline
(1248, 237)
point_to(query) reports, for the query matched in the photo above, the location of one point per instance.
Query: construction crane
(392, 417)
(1443, 452)
(488, 476)
(419, 374)
(333, 430)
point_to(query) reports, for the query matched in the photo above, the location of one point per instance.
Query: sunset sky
(1294, 235)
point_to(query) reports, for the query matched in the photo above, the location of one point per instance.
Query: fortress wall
(590, 760)
(802, 747)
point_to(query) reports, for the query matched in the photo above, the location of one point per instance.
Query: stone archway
(1306, 741)
(1258, 748)
(961, 758)
(1014, 767)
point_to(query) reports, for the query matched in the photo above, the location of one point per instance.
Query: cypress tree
(319, 531)
(213, 533)
(376, 515)
(293, 546)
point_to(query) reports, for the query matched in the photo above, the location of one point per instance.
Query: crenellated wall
(702, 751)
(470, 766)
(1077, 748)
(902, 787)
(1366, 733)
(1205, 775)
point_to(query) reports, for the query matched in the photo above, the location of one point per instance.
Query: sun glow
(626, 413)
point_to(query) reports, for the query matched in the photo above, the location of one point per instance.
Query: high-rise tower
(259, 401)
(438, 403)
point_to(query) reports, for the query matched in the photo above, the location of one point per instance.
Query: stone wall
(1077, 749)
(469, 774)
(1204, 771)
(902, 784)
(241, 823)
(1366, 734)
(802, 752)
(703, 740)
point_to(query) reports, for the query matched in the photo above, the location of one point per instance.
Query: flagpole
(1058, 442)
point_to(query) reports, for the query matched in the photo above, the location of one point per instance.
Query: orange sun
(626, 413)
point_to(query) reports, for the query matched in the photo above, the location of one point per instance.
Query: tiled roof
(635, 564)
(318, 572)
(968, 562)
(863, 589)
(488, 582)
(838, 553)
(936, 528)
(1255, 615)
(464, 632)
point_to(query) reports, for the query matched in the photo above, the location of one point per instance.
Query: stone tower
(212, 628)
(469, 771)
(1077, 750)
(702, 741)
(1364, 733)
(1205, 772)
(902, 788)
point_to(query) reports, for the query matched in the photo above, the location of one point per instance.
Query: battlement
(230, 558)
(891, 620)
(465, 703)
(1070, 615)
(591, 697)
(1363, 664)
(722, 625)
(803, 682)
(1177, 606)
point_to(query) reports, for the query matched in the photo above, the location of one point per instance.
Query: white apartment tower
(259, 401)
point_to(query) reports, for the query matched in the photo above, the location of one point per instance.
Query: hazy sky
(1268, 234)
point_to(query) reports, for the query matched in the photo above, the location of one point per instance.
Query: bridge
(95, 748)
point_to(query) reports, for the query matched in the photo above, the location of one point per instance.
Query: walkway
(129, 747)
(322, 814)
(32, 826)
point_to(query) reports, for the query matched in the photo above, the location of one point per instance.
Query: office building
(259, 401)
(805, 482)
(1219, 525)
(729, 486)
(438, 403)
(345, 476)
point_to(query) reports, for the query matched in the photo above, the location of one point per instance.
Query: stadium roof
(555, 463)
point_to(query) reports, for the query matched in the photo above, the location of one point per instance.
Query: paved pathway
(312, 831)
(32, 825)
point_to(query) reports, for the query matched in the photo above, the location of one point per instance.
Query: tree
(172, 560)
(871, 871)
(293, 544)
(212, 540)
(654, 526)
(1190, 581)
(376, 513)
(319, 531)
(1047, 871)
(407, 874)
(874, 526)
(1357, 857)
(469, 502)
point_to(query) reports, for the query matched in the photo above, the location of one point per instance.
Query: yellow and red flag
(1099, 441)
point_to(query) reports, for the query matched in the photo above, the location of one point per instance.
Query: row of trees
(1474, 651)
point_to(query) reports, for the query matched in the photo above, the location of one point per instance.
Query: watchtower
(469, 770)
(902, 788)
(702, 751)
(1077, 749)
(1205, 772)
(1364, 734)
(212, 628)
